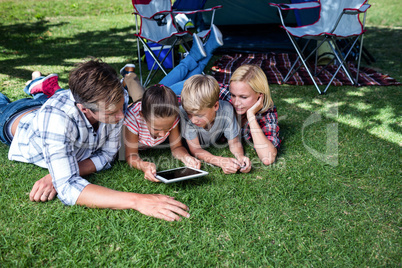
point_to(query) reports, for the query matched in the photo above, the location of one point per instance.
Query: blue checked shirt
(58, 136)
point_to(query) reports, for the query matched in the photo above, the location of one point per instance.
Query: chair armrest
(196, 11)
(305, 5)
(364, 8)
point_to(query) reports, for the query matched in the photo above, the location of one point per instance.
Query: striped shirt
(58, 136)
(137, 125)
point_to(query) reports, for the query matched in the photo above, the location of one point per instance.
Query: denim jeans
(8, 108)
(186, 68)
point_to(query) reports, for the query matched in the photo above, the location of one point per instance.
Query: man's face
(109, 115)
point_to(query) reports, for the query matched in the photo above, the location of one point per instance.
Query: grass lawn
(313, 207)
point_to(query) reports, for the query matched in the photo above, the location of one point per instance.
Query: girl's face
(243, 96)
(159, 126)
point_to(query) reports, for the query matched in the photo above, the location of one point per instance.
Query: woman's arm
(266, 151)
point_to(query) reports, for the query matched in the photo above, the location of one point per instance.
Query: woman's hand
(255, 108)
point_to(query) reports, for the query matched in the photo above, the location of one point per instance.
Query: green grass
(342, 209)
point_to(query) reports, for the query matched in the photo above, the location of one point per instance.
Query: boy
(206, 119)
(74, 133)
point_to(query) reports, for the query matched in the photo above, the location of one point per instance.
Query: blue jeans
(186, 68)
(8, 108)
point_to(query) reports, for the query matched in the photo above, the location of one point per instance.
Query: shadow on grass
(33, 43)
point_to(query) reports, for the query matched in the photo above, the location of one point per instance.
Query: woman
(251, 98)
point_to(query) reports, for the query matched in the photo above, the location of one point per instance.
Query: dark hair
(159, 101)
(95, 81)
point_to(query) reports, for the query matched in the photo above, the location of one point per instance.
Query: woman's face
(243, 96)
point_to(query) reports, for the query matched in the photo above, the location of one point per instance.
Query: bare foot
(35, 75)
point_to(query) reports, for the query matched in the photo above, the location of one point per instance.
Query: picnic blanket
(277, 65)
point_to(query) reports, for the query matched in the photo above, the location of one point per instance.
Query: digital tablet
(179, 174)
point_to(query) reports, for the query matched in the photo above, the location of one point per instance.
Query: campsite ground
(333, 197)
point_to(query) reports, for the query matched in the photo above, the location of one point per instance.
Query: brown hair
(159, 101)
(95, 81)
(199, 92)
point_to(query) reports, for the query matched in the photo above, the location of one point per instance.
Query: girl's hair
(159, 101)
(199, 92)
(95, 81)
(255, 77)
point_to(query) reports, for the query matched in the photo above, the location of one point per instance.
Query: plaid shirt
(268, 121)
(57, 137)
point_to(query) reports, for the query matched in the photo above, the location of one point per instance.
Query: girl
(150, 122)
(251, 98)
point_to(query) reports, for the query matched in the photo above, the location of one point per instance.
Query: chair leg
(300, 56)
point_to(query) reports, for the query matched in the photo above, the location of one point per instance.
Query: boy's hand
(229, 165)
(193, 162)
(149, 171)
(245, 164)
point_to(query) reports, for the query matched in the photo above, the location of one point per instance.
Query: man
(74, 133)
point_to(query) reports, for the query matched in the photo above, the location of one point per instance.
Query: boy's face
(205, 117)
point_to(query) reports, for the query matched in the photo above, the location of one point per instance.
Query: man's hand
(161, 206)
(43, 190)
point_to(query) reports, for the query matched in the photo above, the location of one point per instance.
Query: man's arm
(155, 205)
(43, 189)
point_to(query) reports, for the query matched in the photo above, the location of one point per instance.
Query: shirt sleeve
(270, 128)
(103, 157)
(58, 133)
(231, 129)
(130, 120)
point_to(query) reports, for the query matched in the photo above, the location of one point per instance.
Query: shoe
(197, 51)
(48, 85)
(129, 66)
(214, 41)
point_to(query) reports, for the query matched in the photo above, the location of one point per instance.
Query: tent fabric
(276, 66)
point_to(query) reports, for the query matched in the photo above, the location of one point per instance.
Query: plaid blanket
(276, 66)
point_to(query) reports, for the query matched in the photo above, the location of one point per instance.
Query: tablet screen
(178, 173)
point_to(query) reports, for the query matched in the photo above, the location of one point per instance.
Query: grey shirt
(225, 124)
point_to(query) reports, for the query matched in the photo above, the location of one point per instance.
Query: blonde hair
(199, 92)
(255, 77)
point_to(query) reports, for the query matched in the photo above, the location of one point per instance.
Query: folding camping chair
(338, 20)
(157, 25)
